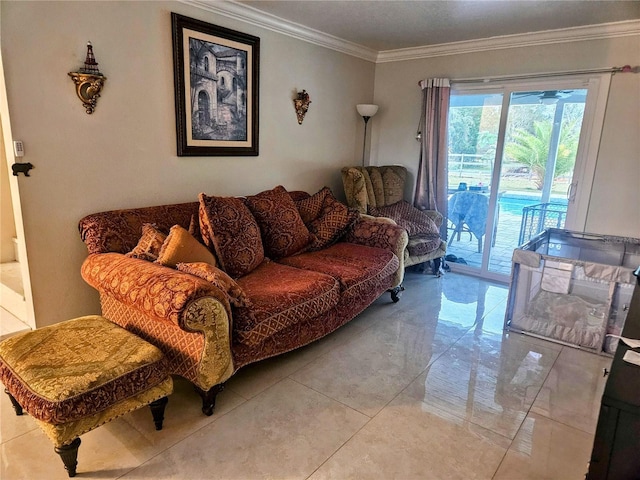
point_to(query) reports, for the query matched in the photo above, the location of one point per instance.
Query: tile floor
(427, 388)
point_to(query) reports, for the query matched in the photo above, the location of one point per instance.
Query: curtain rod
(612, 70)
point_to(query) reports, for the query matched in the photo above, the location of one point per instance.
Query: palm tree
(532, 148)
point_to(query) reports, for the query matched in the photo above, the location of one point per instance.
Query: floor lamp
(366, 111)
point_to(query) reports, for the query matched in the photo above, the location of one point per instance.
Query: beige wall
(124, 154)
(615, 195)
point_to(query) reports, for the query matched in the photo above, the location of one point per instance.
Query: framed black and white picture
(216, 72)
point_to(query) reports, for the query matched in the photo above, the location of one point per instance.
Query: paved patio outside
(507, 236)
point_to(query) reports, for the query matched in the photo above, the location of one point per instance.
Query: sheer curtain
(431, 181)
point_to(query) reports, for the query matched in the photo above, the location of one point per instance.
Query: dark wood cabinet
(616, 447)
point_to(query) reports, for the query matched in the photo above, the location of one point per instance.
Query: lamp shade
(367, 110)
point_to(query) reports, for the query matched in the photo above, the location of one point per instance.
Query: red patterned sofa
(272, 278)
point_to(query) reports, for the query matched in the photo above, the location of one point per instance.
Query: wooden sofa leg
(157, 410)
(437, 262)
(209, 398)
(69, 455)
(16, 406)
(396, 292)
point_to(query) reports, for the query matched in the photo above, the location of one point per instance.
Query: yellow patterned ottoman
(74, 376)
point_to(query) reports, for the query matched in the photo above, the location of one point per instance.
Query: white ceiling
(384, 25)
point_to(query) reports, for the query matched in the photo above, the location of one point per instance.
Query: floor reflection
(487, 378)
(473, 292)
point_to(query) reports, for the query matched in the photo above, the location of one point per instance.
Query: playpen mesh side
(573, 288)
(552, 313)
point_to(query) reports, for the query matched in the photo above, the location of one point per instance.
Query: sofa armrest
(435, 216)
(381, 232)
(378, 232)
(185, 316)
(154, 290)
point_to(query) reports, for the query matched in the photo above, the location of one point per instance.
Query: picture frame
(216, 79)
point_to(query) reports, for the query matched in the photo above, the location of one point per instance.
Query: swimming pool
(513, 203)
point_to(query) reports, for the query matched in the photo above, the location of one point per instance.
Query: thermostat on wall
(18, 148)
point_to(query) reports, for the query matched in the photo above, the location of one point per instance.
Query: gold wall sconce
(89, 81)
(302, 105)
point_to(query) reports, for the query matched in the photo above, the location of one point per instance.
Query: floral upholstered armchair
(379, 191)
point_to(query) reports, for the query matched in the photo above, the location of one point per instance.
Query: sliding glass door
(518, 159)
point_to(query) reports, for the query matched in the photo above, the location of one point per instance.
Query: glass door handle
(570, 191)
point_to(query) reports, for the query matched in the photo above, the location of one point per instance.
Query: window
(521, 159)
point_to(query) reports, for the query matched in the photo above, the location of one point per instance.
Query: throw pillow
(414, 221)
(283, 231)
(149, 245)
(228, 228)
(309, 208)
(221, 280)
(180, 246)
(332, 222)
(194, 228)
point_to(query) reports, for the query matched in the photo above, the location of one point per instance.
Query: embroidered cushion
(231, 231)
(283, 231)
(310, 207)
(194, 228)
(414, 221)
(350, 264)
(224, 282)
(149, 245)
(332, 220)
(281, 296)
(180, 246)
(298, 195)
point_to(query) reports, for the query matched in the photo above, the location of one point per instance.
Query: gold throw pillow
(180, 246)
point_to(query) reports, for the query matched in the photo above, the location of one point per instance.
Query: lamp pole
(366, 111)
(364, 140)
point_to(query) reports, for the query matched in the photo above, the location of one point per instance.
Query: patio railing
(461, 162)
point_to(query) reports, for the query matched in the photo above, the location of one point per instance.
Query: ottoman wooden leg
(157, 410)
(69, 455)
(16, 406)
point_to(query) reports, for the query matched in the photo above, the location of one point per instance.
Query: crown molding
(547, 37)
(253, 16)
(262, 19)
